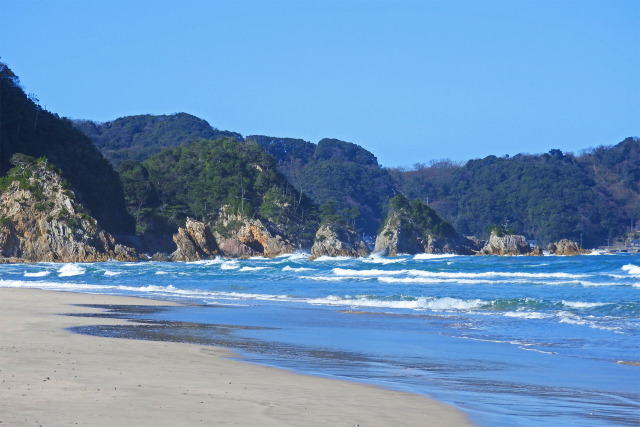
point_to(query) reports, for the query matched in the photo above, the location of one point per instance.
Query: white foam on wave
(572, 319)
(632, 270)
(229, 265)
(68, 270)
(456, 275)
(112, 273)
(336, 279)
(581, 304)
(289, 268)
(332, 258)
(377, 259)
(252, 268)
(161, 273)
(37, 274)
(527, 314)
(433, 256)
(422, 303)
(433, 280)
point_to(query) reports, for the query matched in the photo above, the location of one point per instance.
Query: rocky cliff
(509, 244)
(413, 227)
(336, 239)
(41, 220)
(565, 247)
(238, 236)
(195, 242)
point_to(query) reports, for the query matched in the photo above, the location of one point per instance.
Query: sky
(411, 81)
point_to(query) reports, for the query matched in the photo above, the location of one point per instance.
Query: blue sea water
(509, 340)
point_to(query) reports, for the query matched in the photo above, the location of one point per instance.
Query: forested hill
(337, 171)
(140, 137)
(25, 127)
(593, 197)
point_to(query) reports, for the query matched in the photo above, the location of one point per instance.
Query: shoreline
(52, 376)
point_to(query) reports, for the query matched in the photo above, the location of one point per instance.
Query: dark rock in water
(510, 244)
(195, 242)
(565, 247)
(336, 239)
(413, 227)
(41, 220)
(537, 251)
(241, 237)
(160, 257)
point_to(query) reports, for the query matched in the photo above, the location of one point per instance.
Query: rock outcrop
(413, 227)
(335, 239)
(41, 220)
(509, 244)
(195, 242)
(238, 236)
(565, 247)
(537, 251)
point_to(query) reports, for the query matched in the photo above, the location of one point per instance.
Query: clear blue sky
(410, 81)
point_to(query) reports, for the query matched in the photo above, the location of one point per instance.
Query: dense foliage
(139, 137)
(25, 127)
(335, 171)
(197, 179)
(546, 197)
(419, 217)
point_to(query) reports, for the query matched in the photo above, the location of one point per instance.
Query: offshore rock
(335, 239)
(537, 251)
(195, 242)
(41, 220)
(241, 237)
(510, 244)
(402, 235)
(565, 247)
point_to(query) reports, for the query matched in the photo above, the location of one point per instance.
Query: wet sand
(50, 376)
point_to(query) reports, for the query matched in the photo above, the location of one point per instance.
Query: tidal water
(509, 340)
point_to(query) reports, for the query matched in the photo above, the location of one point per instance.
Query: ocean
(518, 341)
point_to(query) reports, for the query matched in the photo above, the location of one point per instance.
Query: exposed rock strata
(41, 220)
(238, 236)
(195, 242)
(400, 236)
(565, 247)
(335, 239)
(510, 244)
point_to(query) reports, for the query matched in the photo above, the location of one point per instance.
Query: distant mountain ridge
(139, 137)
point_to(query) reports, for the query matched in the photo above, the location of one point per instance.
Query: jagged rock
(537, 251)
(195, 242)
(510, 244)
(403, 233)
(160, 257)
(565, 247)
(41, 220)
(241, 237)
(334, 239)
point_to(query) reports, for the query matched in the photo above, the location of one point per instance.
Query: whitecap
(111, 273)
(433, 256)
(252, 268)
(68, 270)
(632, 270)
(37, 274)
(581, 304)
(377, 259)
(526, 314)
(229, 265)
(332, 258)
(289, 268)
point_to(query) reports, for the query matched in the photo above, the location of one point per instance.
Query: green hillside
(25, 127)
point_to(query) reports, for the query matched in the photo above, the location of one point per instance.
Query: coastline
(51, 376)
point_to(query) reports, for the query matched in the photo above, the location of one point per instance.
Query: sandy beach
(50, 376)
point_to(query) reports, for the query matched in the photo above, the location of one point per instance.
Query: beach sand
(50, 376)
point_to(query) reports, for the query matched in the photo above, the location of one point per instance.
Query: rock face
(400, 235)
(240, 237)
(334, 239)
(195, 242)
(565, 247)
(537, 251)
(510, 244)
(41, 220)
